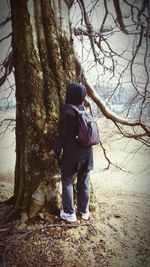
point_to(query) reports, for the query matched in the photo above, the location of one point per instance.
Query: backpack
(88, 133)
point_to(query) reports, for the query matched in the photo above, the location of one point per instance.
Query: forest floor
(117, 234)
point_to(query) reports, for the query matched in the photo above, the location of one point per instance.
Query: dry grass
(117, 235)
(6, 185)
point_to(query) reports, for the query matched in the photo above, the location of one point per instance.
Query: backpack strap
(74, 107)
(78, 110)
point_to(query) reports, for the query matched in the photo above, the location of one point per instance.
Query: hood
(75, 94)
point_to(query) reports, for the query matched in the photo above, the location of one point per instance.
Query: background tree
(57, 42)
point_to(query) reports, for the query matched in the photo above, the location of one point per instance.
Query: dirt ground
(117, 234)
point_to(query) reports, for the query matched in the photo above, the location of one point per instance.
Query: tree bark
(44, 64)
(42, 70)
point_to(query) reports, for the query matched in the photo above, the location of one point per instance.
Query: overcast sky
(118, 41)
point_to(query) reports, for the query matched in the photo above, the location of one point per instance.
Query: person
(75, 158)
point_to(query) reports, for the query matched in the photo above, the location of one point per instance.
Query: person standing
(74, 157)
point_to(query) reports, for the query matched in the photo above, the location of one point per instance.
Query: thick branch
(102, 106)
(119, 15)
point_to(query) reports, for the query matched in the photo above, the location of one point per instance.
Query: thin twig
(4, 38)
(65, 225)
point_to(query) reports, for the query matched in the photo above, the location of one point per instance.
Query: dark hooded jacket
(73, 154)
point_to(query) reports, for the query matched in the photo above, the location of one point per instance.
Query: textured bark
(40, 83)
(44, 64)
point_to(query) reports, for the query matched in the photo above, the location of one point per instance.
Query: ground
(117, 234)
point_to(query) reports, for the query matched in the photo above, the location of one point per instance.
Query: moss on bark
(41, 80)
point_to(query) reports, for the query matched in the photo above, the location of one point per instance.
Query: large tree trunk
(44, 64)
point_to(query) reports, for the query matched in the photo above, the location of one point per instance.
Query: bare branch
(5, 21)
(105, 155)
(7, 124)
(140, 11)
(119, 15)
(6, 120)
(110, 163)
(89, 27)
(102, 106)
(8, 65)
(5, 37)
(105, 16)
(69, 3)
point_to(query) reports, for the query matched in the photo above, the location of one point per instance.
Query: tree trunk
(44, 64)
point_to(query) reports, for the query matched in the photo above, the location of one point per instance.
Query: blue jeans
(83, 191)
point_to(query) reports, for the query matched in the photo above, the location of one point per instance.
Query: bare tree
(119, 44)
(103, 44)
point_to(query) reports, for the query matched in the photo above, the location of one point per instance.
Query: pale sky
(118, 41)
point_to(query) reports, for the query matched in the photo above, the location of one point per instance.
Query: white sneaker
(85, 216)
(68, 217)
